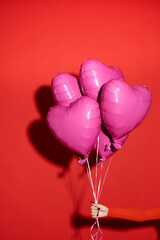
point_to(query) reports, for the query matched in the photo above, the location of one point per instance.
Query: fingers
(95, 210)
(95, 213)
(96, 205)
(98, 210)
(102, 207)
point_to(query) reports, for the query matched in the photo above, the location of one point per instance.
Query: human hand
(98, 210)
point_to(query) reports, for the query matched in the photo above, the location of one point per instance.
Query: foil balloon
(94, 74)
(65, 89)
(106, 147)
(76, 126)
(123, 107)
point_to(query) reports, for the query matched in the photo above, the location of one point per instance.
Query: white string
(99, 185)
(96, 177)
(97, 191)
(104, 178)
(91, 181)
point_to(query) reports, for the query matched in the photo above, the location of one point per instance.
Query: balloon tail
(82, 161)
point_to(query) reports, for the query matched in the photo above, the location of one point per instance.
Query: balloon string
(92, 235)
(99, 185)
(95, 235)
(96, 191)
(90, 179)
(95, 194)
(95, 199)
(99, 228)
(98, 196)
(96, 177)
(104, 179)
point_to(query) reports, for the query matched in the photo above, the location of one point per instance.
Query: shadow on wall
(119, 224)
(48, 146)
(41, 137)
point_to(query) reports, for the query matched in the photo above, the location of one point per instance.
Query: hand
(98, 210)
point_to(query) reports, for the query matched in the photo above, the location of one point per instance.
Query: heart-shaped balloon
(123, 107)
(76, 126)
(106, 148)
(94, 74)
(65, 89)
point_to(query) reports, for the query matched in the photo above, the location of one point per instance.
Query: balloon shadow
(41, 137)
(79, 221)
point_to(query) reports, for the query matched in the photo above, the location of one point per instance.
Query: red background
(44, 193)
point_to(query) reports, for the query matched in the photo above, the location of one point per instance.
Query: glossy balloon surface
(76, 120)
(65, 89)
(94, 74)
(106, 148)
(76, 126)
(123, 107)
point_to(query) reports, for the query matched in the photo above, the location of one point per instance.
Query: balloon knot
(116, 145)
(82, 161)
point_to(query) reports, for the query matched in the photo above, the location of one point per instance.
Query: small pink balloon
(94, 74)
(123, 107)
(106, 148)
(76, 126)
(65, 89)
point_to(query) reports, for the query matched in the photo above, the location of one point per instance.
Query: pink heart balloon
(123, 107)
(65, 89)
(94, 74)
(106, 148)
(76, 126)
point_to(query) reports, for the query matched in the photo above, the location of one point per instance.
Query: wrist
(106, 212)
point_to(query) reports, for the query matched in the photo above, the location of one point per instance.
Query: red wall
(44, 193)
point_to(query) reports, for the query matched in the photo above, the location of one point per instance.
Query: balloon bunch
(98, 112)
(107, 108)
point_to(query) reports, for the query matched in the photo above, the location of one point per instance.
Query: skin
(132, 214)
(98, 210)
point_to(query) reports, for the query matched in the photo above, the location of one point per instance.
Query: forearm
(135, 214)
